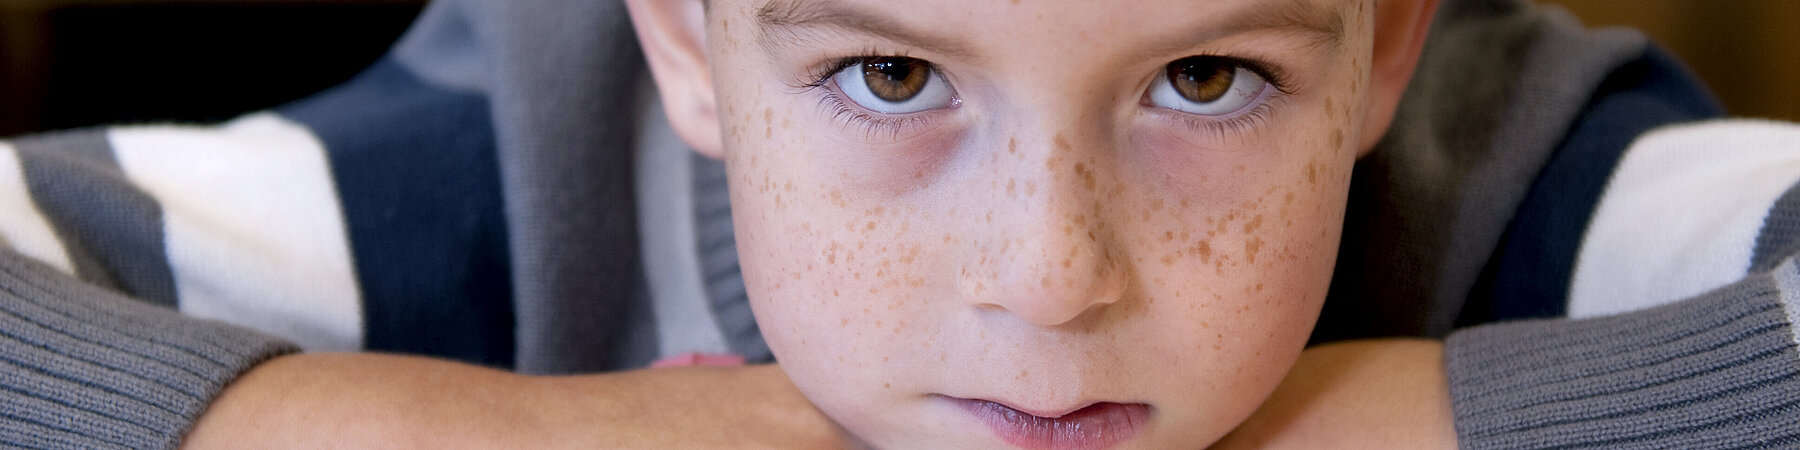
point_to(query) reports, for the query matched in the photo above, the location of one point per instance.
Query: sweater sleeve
(1681, 313)
(1718, 369)
(85, 367)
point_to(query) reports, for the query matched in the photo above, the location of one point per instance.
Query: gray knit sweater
(486, 193)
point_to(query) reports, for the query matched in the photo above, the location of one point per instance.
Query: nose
(1046, 254)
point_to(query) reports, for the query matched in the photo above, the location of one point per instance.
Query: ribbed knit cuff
(1715, 371)
(83, 367)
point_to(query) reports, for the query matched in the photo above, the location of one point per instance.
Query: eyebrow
(781, 22)
(787, 17)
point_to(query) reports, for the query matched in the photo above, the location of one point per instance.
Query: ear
(673, 35)
(1400, 30)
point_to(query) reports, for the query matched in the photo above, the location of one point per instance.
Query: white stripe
(252, 225)
(1788, 281)
(23, 227)
(1681, 214)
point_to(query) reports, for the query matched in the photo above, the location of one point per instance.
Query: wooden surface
(1748, 51)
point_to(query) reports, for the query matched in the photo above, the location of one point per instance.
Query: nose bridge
(1047, 256)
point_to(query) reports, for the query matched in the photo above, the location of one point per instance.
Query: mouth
(1095, 426)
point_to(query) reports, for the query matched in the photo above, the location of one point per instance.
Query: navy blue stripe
(1530, 275)
(112, 231)
(416, 170)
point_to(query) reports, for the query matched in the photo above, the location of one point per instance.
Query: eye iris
(1202, 80)
(896, 79)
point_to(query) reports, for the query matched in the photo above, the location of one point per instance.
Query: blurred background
(72, 63)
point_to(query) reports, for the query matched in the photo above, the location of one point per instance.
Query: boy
(962, 225)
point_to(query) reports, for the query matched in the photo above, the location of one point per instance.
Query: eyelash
(1237, 125)
(872, 124)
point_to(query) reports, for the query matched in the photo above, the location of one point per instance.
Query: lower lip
(1098, 426)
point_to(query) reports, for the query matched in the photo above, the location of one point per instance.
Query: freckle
(1204, 249)
(768, 114)
(1011, 191)
(1168, 260)
(1329, 111)
(1168, 236)
(1250, 249)
(834, 293)
(1259, 287)
(1030, 188)
(1253, 224)
(990, 216)
(1312, 174)
(1062, 143)
(1012, 145)
(870, 226)
(843, 322)
(1066, 262)
(1337, 138)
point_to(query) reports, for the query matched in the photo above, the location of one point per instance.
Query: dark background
(72, 63)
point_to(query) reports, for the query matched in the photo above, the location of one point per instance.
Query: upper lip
(1044, 413)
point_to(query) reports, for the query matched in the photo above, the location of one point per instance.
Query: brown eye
(894, 85)
(1208, 86)
(1202, 79)
(896, 79)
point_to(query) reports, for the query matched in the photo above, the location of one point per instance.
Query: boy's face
(1045, 224)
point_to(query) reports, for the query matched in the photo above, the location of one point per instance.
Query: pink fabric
(698, 359)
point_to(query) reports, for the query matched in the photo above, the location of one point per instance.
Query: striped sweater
(500, 190)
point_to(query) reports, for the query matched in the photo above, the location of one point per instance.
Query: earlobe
(1401, 27)
(673, 36)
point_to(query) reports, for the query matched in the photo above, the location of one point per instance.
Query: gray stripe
(112, 230)
(1780, 234)
(719, 262)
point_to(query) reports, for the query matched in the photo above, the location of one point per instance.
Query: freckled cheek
(1237, 263)
(830, 273)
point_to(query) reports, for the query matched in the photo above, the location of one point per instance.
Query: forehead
(976, 28)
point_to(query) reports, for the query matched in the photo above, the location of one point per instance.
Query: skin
(1039, 245)
(1051, 241)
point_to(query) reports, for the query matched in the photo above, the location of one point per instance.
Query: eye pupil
(896, 79)
(1202, 79)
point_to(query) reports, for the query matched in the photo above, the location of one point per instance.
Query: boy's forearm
(319, 400)
(1382, 393)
